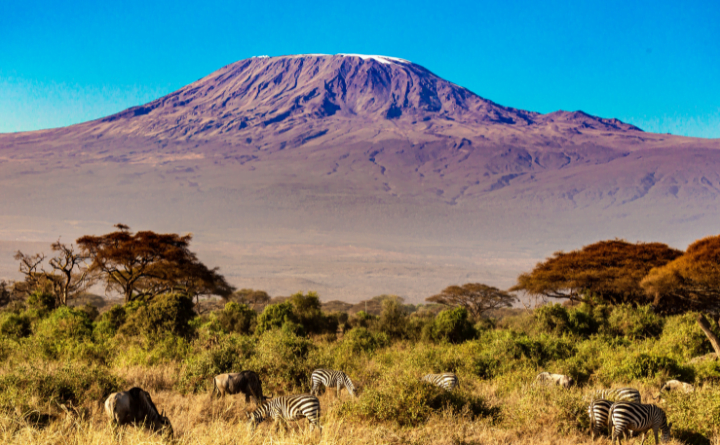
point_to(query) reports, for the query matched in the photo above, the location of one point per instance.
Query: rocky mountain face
(356, 175)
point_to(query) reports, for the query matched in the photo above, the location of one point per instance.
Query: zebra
(447, 380)
(599, 412)
(630, 416)
(287, 408)
(331, 378)
(617, 395)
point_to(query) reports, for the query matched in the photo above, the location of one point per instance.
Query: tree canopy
(477, 298)
(690, 282)
(145, 264)
(611, 270)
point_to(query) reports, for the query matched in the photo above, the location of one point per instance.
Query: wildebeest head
(164, 425)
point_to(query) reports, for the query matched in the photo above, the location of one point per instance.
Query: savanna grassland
(75, 357)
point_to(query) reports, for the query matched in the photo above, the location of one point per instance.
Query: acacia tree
(690, 283)
(253, 298)
(477, 298)
(145, 264)
(610, 270)
(68, 278)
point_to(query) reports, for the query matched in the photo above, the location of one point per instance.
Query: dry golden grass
(199, 419)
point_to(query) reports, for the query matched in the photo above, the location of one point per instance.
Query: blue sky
(655, 64)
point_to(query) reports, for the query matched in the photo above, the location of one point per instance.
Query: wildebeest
(676, 386)
(545, 378)
(246, 382)
(135, 406)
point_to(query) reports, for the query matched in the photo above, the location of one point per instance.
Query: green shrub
(451, 325)
(407, 401)
(15, 325)
(41, 303)
(69, 383)
(640, 322)
(229, 355)
(392, 319)
(361, 340)
(274, 316)
(165, 314)
(238, 318)
(111, 321)
(363, 320)
(280, 355)
(66, 323)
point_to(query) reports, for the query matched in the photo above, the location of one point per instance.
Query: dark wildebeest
(135, 406)
(246, 382)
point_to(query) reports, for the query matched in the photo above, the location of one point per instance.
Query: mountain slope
(393, 179)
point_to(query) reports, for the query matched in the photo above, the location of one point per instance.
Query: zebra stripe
(288, 408)
(629, 416)
(447, 380)
(329, 379)
(599, 412)
(617, 395)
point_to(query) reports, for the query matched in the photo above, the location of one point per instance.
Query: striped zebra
(599, 412)
(287, 408)
(447, 380)
(329, 379)
(617, 395)
(630, 416)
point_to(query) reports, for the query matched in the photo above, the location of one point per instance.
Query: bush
(111, 321)
(281, 355)
(70, 383)
(41, 303)
(164, 314)
(274, 316)
(15, 325)
(450, 325)
(392, 319)
(237, 318)
(640, 322)
(66, 323)
(361, 340)
(406, 401)
(229, 355)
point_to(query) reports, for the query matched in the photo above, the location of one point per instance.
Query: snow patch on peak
(260, 57)
(381, 59)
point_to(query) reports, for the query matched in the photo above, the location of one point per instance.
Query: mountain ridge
(398, 181)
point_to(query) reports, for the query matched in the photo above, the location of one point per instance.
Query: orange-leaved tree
(145, 264)
(690, 283)
(610, 270)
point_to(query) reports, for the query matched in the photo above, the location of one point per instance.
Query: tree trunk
(714, 340)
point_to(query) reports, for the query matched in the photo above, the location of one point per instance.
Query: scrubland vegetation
(65, 356)
(59, 363)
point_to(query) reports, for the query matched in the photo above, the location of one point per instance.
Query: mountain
(354, 176)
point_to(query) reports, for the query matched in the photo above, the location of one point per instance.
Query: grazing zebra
(599, 412)
(617, 395)
(287, 408)
(447, 380)
(630, 416)
(331, 378)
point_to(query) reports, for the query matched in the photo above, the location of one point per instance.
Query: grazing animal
(637, 417)
(447, 380)
(676, 386)
(545, 378)
(286, 408)
(246, 382)
(617, 395)
(135, 406)
(599, 412)
(329, 379)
